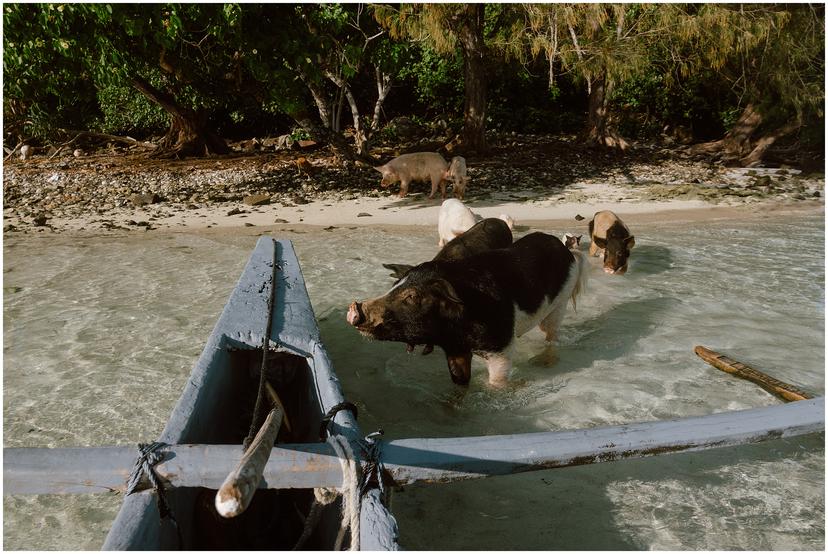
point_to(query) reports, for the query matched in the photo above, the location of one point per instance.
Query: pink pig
(419, 166)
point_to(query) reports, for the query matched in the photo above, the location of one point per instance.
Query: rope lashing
(351, 497)
(373, 470)
(350, 490)
(149, 457)
(326, 420)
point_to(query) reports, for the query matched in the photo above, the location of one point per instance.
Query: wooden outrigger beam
(83, 470)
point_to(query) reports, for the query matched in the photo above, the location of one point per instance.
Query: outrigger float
(319, 482)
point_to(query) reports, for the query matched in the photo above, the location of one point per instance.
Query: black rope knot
(145, 465)
(323, 429)
(373, 470)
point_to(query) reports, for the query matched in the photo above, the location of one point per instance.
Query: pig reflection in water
(479, 304)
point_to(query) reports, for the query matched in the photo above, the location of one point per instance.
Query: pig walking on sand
(611, 240)
(479, 304)
(420, 166)
(456, 218)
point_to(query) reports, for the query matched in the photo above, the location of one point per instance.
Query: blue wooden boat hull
(215, 408)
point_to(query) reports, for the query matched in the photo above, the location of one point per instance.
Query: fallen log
(107, 137)
(778, 388)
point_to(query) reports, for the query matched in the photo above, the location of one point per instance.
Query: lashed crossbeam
(84, 470)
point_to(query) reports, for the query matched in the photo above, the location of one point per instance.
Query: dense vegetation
(738, 78)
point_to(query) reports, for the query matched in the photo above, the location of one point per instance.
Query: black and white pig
(611, 240)
(479, 304)
(486, 234)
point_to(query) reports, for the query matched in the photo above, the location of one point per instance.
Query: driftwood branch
(104, 136)
(783, 390)
(15, 149)
(65, 144)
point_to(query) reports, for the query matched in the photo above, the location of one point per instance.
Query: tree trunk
(736, 142)
(336, 141)
(383, 88)
(598, 131)
(469, 30)
(360, 135)
(189, 133)
(761, 146)
(736, 145)
(319, 99)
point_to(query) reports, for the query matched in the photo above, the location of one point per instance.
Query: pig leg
(403, 188)
(460, 368)
(499, 365)
(435, 180)
(552, 322)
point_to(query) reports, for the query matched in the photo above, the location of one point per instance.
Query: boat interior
(275, 519)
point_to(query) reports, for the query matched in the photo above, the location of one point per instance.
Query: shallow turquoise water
(100, 334)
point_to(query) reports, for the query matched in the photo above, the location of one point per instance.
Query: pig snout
(355, 315)
(616, 270)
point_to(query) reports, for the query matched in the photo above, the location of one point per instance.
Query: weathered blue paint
(406, 461)
(241, 326)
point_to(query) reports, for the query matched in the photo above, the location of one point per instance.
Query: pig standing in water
(456, 173)
(571, 241)
(479, 304)
(612, 240)
(455, 219)
(488, 234)
(420, 166)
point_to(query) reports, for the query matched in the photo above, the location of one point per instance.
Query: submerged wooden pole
(786, 392)
(238, 488)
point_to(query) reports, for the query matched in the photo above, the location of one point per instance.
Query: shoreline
(553, 183)
(423, 219)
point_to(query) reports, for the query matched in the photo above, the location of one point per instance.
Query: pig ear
(450, 303)
(599, 242)
(380, 168)
(629, 241)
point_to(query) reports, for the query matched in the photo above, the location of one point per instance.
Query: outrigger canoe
(325, 484)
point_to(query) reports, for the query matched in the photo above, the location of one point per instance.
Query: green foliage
(124, 111)
(436, 80)
(246, 65)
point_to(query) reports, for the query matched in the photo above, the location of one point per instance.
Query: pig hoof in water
(460, 368)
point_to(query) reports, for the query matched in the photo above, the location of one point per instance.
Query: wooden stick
(13, 150)
(238, 488)
(274, 399)
(786, 392)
